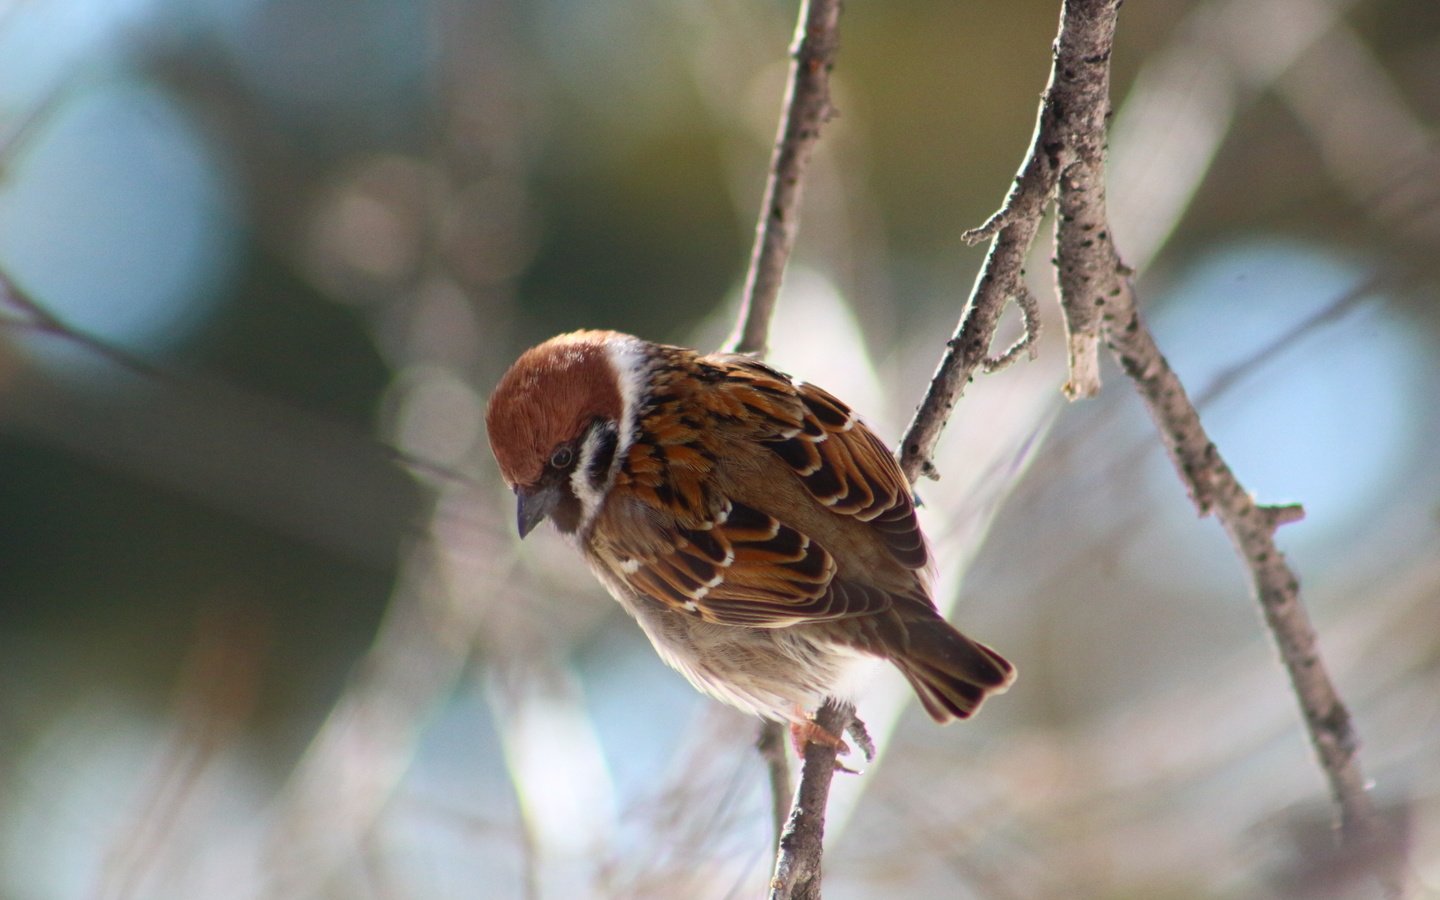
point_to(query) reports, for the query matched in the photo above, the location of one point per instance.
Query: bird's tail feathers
(951, 674)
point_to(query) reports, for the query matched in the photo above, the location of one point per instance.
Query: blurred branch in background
(216, 695)
(31, 316)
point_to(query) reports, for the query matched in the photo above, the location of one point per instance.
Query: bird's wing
(671, 534)
(743, 567)
(839, 460)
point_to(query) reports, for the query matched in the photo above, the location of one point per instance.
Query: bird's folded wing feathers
(839, 460)
(684, 544)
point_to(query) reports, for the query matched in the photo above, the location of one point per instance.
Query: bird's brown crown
(549, 397)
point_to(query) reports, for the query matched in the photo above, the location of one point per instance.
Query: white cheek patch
(631, 365)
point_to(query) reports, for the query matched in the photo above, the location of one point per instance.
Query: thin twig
(1011, 232)
(807, 108)
(797, 865)
(21, 312)
(34, 316)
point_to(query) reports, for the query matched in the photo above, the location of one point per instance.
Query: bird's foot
(807, 731)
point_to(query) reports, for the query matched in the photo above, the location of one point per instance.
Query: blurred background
(266, 628)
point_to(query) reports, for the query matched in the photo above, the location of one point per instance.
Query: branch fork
(1065, 165)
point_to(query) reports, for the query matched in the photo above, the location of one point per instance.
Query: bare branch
(1215, 489)
(1097, 298)
(807, 108)
(1085, 253)
(797, 866)
(1069, 131)
(1011, 231)
(1068, 153)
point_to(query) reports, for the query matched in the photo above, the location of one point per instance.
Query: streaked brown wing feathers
(689, 546)
(745, 568)
(840, 461)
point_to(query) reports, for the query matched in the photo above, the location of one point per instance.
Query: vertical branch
(797, 865)
(807, 107)
(1084, 250)
(1097, 297)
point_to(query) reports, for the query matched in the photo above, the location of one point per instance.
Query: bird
(763, 537)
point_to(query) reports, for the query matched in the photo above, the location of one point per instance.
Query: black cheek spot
(567, 512)
(604, 457)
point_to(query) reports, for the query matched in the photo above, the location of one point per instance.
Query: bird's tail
(950, 673)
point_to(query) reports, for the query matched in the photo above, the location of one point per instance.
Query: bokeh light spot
(119, 219)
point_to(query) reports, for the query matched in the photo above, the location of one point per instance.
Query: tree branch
(1068, 153)
(1214, 489)
(1098, 300)
(1097, 296)
(1011, 232)
(807, 108)
(1066, 161)
(797, 865)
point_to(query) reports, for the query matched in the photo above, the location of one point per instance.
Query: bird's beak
(534, 504)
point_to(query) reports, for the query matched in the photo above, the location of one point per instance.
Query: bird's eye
(562, 457)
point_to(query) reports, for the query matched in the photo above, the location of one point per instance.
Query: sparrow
(761, 535)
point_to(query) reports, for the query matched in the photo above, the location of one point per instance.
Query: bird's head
(559, 422)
